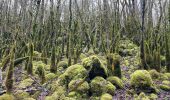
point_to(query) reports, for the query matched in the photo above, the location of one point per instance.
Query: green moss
(6, 97)
(82, 56)
(29, 99)
(154, 74)
(62, 64)
(116, 81)
(36, 94)
(81, 88)
(57, 95)
(141, 78)
(95, 67)
(168, 75)
(153, 97)
(25, 83)
(74, 94)
(142, 96)
(109, 88)
(41, 73)
(165, 87)
(99, 85)
(94, 97)
(106, 96)
(38, 63)
(71, 73)
(166, 82)
(50, 76)
(36, 54)
(163, 77)
(20, 94)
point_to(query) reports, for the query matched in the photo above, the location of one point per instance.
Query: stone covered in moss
(95, 67)
(141, 78)
(26, 83)
(40, 71)
(38, 63)
(50, 76)
(166, 82)
(36, 54)
(75, 95)
(71, 73)
(165, 85)
(59, 94)
(99, 85)
(6, 97)
(116, 81)
(94, 97)
(106, 96)
(154, 74)
(153, 97)
(62, 64)
(79, 85)
(168, 75)
(163, 77)
(20, 94)
(142, 96)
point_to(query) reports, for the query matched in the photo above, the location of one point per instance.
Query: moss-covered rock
(154, 74)
(94, 97)
(36, 54)
(165, 87)
(20, 94)
(153, 97)
(142, 96)
(116, 81)
(168, 75)
(106, 96)
(99, 85)
(141, 78)
(62, 64)
(26, 83)
(75, 95)
(41, 73)
(71, 73)
(109, 88)
(79, 85)
(163, 77)
(59, 94)
(82, 56)
(166, 82)
(50, 76)
(38, 63)
(6, 97)
(95, 67)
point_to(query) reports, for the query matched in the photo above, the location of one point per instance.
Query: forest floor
(28, 87)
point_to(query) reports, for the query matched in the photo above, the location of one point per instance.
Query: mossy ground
(74, 83)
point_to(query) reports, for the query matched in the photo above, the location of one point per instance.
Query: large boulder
(95, 67)
(142, 82)
(141, 78)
